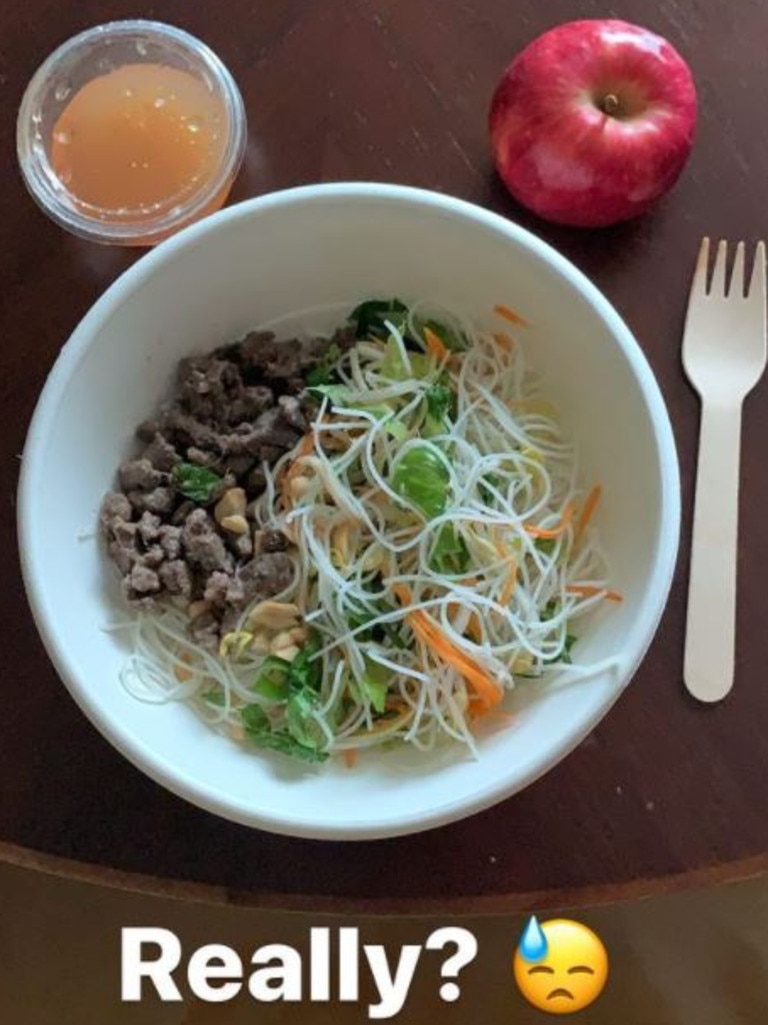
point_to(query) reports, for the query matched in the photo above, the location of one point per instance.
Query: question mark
(466, 950)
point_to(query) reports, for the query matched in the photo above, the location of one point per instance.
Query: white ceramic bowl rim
(31, 484)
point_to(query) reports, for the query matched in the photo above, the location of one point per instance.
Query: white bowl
(257, 262)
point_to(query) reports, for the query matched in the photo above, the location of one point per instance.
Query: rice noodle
(507, 466)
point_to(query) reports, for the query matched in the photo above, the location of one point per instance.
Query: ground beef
(148, 528)
(114, 507)
(273, 540)
(170, 540)
(176, 578)
(238, 466)
(256, 481)
(161, 453)
(144, 580)
(250, 403)
(180, 513)
(159, 500)
(266, 575)
(147, 430)
(203, 544)
(140, 475)
(223, 589)
(198, 438)
(234, 410)
(153, 557)
(122, 556)
(292, 413)
(271, 430)
(205, 630)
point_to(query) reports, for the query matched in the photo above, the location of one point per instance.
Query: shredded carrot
(350, 757)
(586, 514)
(474, 629)
(546, 532)
(435, 346)
(589, 591)
(182, 674)
(509, 314)
(403, 593)
(305, 449)
(503, 340)
(510, 583)
(426, 629)
(494, 721)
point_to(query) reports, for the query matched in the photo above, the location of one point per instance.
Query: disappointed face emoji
(560, 966)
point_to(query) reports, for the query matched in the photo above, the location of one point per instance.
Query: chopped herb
(300, 718)
(369, 317)
(273, 681)
(439, 399)
(565, 654)
(549, 610)
(197, 483)
(390, 631)
(254, 718)
(491, 480)
(452, 339)
(376, 681)
(450, 554)
(546, 544)
(279, 678)
(324, 371)
(306, 671)
(259, 730)
(357, 619)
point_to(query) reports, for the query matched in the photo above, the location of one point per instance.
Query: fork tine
(736, 287)
(757, 281)
(699, 280)
(717, 285)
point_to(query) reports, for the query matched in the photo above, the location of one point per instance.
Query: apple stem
(610, 104)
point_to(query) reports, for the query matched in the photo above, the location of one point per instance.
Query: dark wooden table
(665, 792)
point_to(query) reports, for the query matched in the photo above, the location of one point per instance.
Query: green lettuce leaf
(422, 478)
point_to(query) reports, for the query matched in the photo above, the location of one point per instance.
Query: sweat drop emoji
(560, 966)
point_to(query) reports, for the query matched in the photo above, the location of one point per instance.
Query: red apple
(593, 121)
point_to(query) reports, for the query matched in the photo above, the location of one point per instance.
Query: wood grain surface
(664, 791)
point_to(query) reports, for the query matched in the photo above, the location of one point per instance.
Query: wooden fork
(724, 355)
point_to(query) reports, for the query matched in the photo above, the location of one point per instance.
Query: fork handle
(708, 666)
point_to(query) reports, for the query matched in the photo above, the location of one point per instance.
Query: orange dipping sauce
(139, 139)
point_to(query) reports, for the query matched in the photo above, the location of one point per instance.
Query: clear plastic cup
(94, 53)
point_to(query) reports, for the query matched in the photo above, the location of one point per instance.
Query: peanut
(231, 503)
(280, 640)
(287, 654)
(197, 608)
(298, 487)
(260, 642)
(274, 616)
(235, 524)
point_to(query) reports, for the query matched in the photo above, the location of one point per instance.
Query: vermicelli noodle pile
(442, 546)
